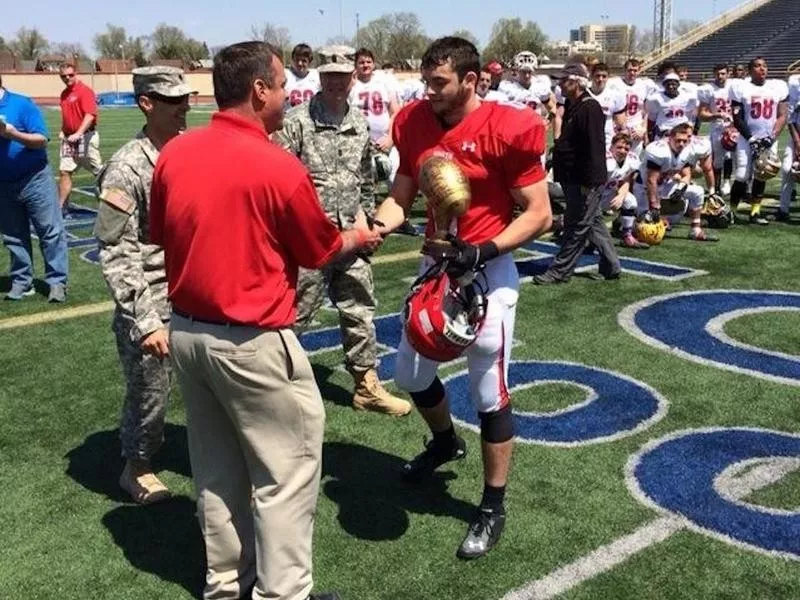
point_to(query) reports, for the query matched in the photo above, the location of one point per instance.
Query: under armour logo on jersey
(468, 146)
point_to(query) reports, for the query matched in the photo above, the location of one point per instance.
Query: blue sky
(228, 21)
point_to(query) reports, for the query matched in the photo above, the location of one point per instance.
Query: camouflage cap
(337, 59)
(165, 81)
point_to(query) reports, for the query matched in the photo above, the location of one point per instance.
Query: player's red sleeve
(527, 145)
(158, 207)
(311, 239)
(400, 141)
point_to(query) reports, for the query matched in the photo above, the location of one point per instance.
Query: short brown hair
(236, 67)
(681, 128)
(622, 136)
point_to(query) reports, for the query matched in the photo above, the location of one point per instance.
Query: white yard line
(607, 557)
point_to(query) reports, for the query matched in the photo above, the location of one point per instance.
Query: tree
(395, 37)
(276, 35)
(115, 43)
(684, 26)
(72, 50)
(170, 42)
(29, 44)
(3, 45)
(510, 36)
(467, 35)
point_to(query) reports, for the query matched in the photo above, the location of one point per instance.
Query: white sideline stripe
(609, 556)
(598, 561)
(52, 316)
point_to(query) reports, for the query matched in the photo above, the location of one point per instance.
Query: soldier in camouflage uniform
(333, 142)
(134, 272)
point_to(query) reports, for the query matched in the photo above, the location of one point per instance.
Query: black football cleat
(434, 456)
(407, 229)
(483, 533)
(325, 596)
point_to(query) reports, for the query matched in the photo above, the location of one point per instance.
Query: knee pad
(758, 188)
(430, 397)
(694, 196)
(629, 206)
(497, 426)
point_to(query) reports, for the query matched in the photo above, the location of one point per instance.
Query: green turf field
(69, 533)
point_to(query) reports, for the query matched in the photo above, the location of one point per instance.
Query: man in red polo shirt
(236, 216)
(498, 146)
(80, 142)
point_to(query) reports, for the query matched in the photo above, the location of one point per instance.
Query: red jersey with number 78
(499, 147)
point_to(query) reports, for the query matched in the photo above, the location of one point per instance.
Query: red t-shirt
(236, 215)
(77, 101)
(498, 146)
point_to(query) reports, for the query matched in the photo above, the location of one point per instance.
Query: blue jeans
(34, 200)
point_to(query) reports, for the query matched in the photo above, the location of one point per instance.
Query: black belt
(186, 315)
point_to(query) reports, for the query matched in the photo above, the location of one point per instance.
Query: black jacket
(579, 155)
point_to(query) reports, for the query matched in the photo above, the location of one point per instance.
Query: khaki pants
(255, 422)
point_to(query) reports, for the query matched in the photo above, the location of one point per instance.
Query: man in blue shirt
(28, 195)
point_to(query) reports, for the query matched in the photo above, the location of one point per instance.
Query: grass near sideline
(69, 533)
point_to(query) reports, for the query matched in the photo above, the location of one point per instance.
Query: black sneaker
(434, 456)
(325, 596)
(407, 229)
(758, 220)
(782, 217)
(483, 533)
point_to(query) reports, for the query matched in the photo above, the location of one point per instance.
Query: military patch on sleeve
(118, 199)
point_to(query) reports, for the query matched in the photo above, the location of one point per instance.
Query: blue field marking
(615, 406)
(388, 329)
(545, 251)
(691, 325)
(679, 475)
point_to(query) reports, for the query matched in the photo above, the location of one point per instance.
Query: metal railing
(700, 32)
(793, 68)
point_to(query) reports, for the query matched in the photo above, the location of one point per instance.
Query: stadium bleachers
(771, 31)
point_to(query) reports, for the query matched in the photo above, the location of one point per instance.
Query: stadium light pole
(604, 20)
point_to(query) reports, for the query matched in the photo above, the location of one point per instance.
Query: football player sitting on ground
(665, 181)
(622, 166)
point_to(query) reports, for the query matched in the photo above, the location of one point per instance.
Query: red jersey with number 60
(372, 99)
(498, 147)
(760, 103)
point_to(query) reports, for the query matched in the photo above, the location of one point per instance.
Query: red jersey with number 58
(498, 146)
(760, 103)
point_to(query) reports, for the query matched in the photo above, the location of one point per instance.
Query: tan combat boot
(370, 395)
(144, 488)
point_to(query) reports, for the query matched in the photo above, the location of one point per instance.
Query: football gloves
(462, 257)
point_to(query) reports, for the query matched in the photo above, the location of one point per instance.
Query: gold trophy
(446, 187)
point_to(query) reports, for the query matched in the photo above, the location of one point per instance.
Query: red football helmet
(730, 136)
(442, 317)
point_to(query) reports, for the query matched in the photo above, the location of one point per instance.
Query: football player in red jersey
(498, 146)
